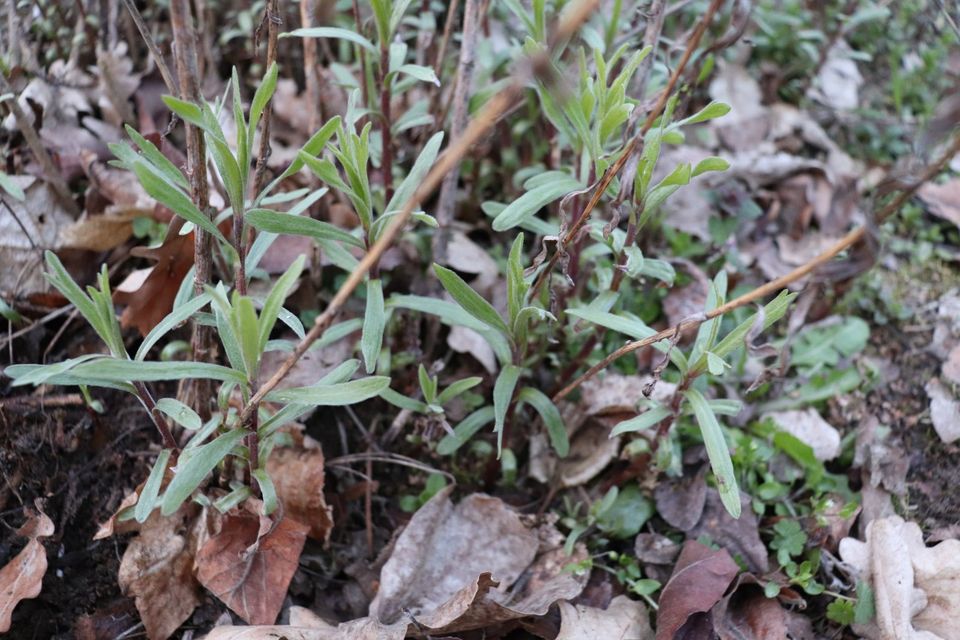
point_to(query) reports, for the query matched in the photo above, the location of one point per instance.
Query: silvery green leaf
(550, 416)
(471, 301)
(331, 32)
(374, 320)
(180, 413)
(339, 394)
(465, 430)
(190, 474)
(503, 390)
(717, 451)
(151, 488)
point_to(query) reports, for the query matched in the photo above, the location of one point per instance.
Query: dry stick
(445, 38)
(615, 168)
(478, 127)
(448, 190)
(51, 173)
(852, 238)
(307, 8)
(185, 49)
(152, 47)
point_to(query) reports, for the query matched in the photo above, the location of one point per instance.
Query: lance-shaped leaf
(374, 319)
(471, 301)
(335, 395)
(717, 451)
(192, 472)
(503, 390)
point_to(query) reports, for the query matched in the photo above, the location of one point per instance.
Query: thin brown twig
(448, 190)
(152, 47)
(615, 168)
(307, 9)
(445, 38)
(849, 240)
(477, 128)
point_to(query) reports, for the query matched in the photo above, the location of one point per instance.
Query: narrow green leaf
(551, 418)
(57, 276)
(471, 301)
(457, 388)
(333, 395)
(417, 173)
(264, 92)
(248, 333)
(11, 187)
(645, 420)
(403, 402)
(419, 72)
(717, 451)
(117, 370)
(503, 390)
(516, 286)
(331, 32)
(277, 222)
(267, 490)
(527, 205)
(711, 163)
(187, 110)
(773, 311)
(175, 200)
(151, 488)
(188, 475)
(157, 159)
(713, 110)
(232, 499)
(180, 413)
(374, 320)
(274, 302)
(467, 428)
(172, 320)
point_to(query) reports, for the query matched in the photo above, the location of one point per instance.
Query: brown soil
(79, 465)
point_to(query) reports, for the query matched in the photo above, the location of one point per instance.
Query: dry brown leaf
(616, 393)
(699, 581)
(464, 340)
(944, 411)
(808, 427)
(655, 548)
(149, 304)
(313, 365)
(157, 571)
(916, 588)
(747, 614)
(943, 200)
(250, 563)
(740, 536)
(297, 476)
(680, 501)
(22, 577)
(624, 619)
(464, 255)
(113, 525)
(21, 247)
(99, 233)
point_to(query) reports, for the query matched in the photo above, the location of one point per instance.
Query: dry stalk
(448, 190)
(197, 393)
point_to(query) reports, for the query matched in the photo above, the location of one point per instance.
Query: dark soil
(79, 465)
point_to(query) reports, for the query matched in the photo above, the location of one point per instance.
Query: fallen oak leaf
(157, 571)
(699, 580)
(22, 577)
(250, 562)
(298, 477)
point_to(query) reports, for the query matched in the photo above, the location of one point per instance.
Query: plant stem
(448, 190)
(386, 155)
(852, 238)
(156, 415)
(152, 47)
(307, 8)
(199, 392)
(490, 113)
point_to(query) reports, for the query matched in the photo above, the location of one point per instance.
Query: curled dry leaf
(942, 200)
(916, 588)
(98, 233)
(250, 563)
(747, 614)
(944, 411)
(699, 581)
(808, 427)
(157, 571)
(624, 619)
(740, 536)
(298, 479)
(451, 570)
(22, 577)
